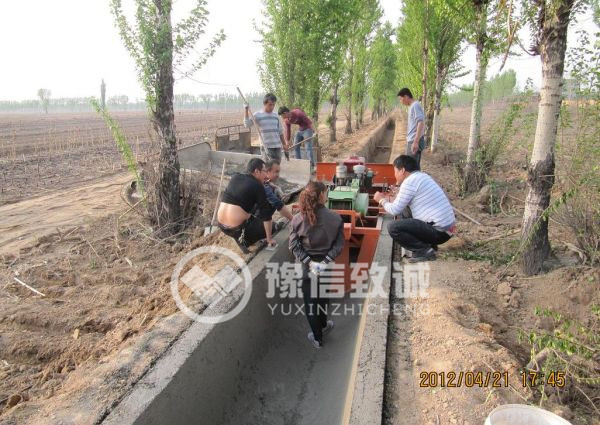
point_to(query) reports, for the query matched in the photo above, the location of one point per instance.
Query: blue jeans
(301, 135)
(416, 156)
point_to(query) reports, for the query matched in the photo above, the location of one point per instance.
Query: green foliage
(358, 60)
(152, 42)
(411, 36)
(571, 347)
(304, 42)
(486, 155)
(121, 142)
(494, 258)
(44, 98)
(382, 72)
(441, 26)
(500, 87)
(580, 176)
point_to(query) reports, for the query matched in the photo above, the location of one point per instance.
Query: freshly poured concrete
(259, 368)
(256, 368)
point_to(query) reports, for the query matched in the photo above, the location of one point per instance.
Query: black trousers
(416, 235)
(247, 233)
(315, 306)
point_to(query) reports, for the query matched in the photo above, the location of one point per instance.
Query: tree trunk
(471, 181)
(332, 123)
(361, 113)
(429, 111)
(437, 107)
(163, 118)
(425, 55)
(540, 175)
(103, 95)
(348, 129)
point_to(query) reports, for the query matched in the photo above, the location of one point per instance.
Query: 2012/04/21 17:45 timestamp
(488, 379)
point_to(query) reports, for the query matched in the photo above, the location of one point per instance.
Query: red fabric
(297, 116)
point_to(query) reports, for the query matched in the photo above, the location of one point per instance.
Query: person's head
(256, 168)
(313, 195)
(273, 167)
(269, 102)
(403, 166)
(284, 112)
(405, 96)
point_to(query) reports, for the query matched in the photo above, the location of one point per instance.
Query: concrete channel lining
(201, 157)
(259, 367)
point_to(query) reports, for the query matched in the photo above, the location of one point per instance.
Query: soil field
(107, 312)
(41, 154)
(46, 153)
(105, 279)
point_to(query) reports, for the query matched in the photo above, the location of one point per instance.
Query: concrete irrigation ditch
(259, 368)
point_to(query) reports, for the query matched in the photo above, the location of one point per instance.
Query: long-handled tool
(302, 141)
(262, 142)
(209, 230)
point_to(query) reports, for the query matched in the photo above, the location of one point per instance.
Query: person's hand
(415, 148)
(378, 196)
(246, 105)
(271, 242)
(317, 268)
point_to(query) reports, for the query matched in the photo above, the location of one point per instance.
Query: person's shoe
(424, 255)
(243, 247)
(280, 224)
(311, 338)
(405, 253)
(329, 327)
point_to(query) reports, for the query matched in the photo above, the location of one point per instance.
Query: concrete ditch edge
(368, 386)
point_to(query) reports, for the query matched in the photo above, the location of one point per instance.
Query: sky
(68, 46)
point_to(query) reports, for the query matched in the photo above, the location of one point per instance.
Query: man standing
(245, 193)
(269, 127)
(431, 220)
(297, 116)
(415, 128)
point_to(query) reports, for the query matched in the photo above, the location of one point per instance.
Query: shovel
(287, 155)
(209, 229)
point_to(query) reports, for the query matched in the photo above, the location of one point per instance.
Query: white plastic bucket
(522, 414)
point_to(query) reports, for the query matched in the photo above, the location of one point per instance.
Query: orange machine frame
(384, 173)
(356, 235)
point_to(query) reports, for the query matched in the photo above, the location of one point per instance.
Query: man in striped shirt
(269, 127)
(431, 220)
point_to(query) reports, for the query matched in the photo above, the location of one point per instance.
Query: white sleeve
(405, 195)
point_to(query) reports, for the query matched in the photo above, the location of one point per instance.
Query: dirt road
(25, 222)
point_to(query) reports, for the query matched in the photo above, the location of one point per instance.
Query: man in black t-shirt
(244, 193)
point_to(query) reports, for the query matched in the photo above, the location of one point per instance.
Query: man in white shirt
(431, 220)
(415, 127)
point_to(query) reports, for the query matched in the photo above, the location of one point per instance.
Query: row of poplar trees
(318, 50)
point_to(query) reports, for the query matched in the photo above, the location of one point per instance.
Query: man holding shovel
(305, 133)
(269, 127)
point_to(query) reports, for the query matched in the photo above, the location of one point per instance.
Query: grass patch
(497, 253)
